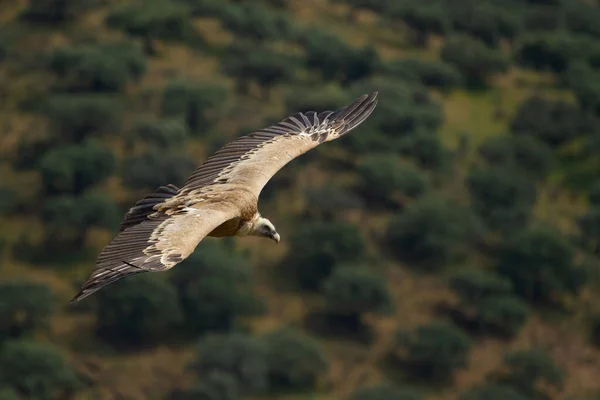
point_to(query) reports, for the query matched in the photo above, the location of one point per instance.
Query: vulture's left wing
(252, 160)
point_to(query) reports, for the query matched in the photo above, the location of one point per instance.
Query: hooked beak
(276, 237)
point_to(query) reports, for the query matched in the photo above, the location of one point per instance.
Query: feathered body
(219, 199)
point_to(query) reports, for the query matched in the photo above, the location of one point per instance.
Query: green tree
(74, 117)
(384, 392)
(36, 371)
(195, 103)
(242, 357)
(137, 310)
(540, 263)
(473, 59)
(106, 67)
(302, 98)
(432, 352)
(425, 148)
(215, 385)
(55, 11)
(153, 20)
(386, 181)
(423, 18)
(247, 63)
(501, 196)
(435, 74)
(294, 361)
(214, 289)
(530, 372)
(156, 168)
(24, 307)
(72, 169)
(317, 247)
(327, 202)
(163, 133)
(257, 22)
(431, 233)
(493, 392)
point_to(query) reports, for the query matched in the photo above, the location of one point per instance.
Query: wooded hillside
(447, 249)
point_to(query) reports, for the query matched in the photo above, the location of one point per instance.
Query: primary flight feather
(219, 199)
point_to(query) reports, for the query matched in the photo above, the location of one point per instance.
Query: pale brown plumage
(220, 197)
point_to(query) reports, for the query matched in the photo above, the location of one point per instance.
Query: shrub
(473, 59)
(137, 310)
(433, 352)
(152, 20)
(539, 262)
(294, 360)
(97, 68)
(335, 60)
(328, 201)
(247, 63)
(384, 392)
(8, 200)
(425, 148)
(72, 169)
(386, 181)
(317, 247)
(257, 22)
(55, 11)
(215, 385)
(492, 392)
(35, 370)
(582, 18)
(195, 103)
(475, 285)
(24, 307)
(430, 233)
(553, 122)
(162, 133)
(214, 289)
(532, 156)
(242, 357)
(156, 168)
(582, 79)
(594, 193)
(73, 117)
(302, 98)
(501, 196)
(423, 18)
(526, 370)
(353, 291)
(436, 74)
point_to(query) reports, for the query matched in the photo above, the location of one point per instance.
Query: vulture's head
(263, 227)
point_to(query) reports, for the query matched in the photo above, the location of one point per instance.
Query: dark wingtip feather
(93, 284)
(355, 113)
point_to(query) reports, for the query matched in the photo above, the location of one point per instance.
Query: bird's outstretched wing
(252, 160)
(158, 243)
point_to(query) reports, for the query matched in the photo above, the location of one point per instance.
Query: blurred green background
(447, 249)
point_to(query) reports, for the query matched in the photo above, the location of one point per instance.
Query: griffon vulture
(220, 197)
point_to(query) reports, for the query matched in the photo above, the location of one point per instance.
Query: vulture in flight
(219, 199)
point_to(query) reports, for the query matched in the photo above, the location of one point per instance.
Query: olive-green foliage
(493, 391)
(556, 51)
(8, 200)
(36, 371)
(241, 356)
(384, 392)
(473, 59)
(72, 169)
(551, 121)
(336, 60)
(105, 67)
(487, 303)
(425, 148)
(302, 98)
(435, 74)
(484, 20)
(208, 8)
(7, 393)
(595, 329)
(24, 306)
(529, 372)
(214, 288)
(583, 80)
(137, 310)
(73, 117)
(248, 63)
(431, 233)
(404, 110)
(55, 11)
(423, 18)
(432, 352)
(155, 168)
(581, 17)
(257, 22)
(531, 156)
(28, 152)
(540, 263)
(589, 224)
(215, 385)
(317, 247)
(351, 291)
(328, 201)
(295, 361)
(163, 133)
(386, 180)
(502, 196)
(594, 193)
(77, 213)
(542, 19)
(152, 20)
(194, 102)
